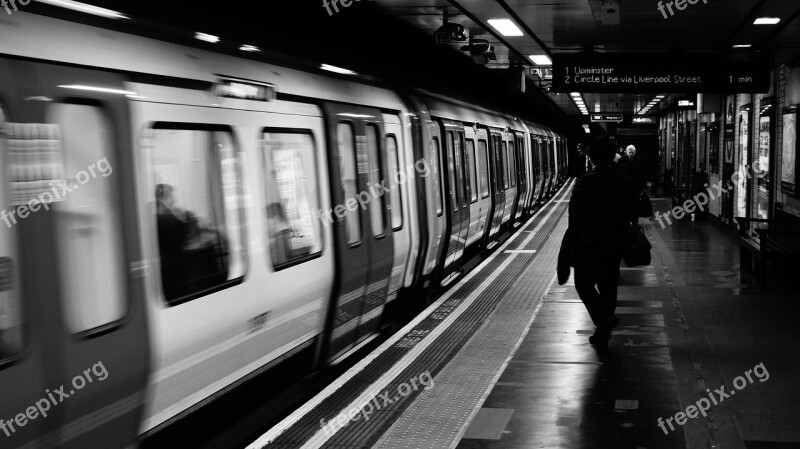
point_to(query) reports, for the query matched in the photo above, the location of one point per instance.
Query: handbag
(637, 247)
(644, 207)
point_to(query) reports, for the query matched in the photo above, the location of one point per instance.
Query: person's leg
(607, 286)
(585, 285)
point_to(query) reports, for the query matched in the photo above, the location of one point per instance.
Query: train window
(512, 165)
(292, 195)
(396, 195)
(87, 220)
(436, 160)
(347, 168)
(469, 157)
(483, 168)
(377, 205)
(198, 209)
(451, 170)
(10, 313)
(504, 157)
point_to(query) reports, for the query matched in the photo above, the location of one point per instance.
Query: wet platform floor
(523, 374)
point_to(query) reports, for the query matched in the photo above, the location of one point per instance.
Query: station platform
(502, 360)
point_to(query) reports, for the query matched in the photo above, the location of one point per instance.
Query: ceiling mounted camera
(480, 50)
(449, 32)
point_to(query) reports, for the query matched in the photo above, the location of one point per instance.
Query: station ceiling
(359, 34)
(558, 26)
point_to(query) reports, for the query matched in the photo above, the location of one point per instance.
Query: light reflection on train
(203, 259)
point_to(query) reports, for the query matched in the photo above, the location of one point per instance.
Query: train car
(178, 220)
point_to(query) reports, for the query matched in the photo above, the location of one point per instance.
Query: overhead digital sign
(661, 73)
(643, 119)
(599, 118)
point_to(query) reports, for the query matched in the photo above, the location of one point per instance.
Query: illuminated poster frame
(789, 149)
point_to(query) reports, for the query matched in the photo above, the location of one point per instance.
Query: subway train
(176, 220)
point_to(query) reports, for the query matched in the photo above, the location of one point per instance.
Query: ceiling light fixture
(206, 37)
(505, 27)
(541, 59)
(766, 21)
(251, 48)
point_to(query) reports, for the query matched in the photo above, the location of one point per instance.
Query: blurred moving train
(202, 217)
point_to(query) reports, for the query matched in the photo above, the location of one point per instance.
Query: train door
(547, 162)
(363, 237)
(522, 174)
(432, 149)
(510, 174)
(498, 181)
(400, 176)
(72, 186)
(456, 200)
(24, 318)
(539, 169)
(477, 171)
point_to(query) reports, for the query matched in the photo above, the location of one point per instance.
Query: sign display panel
(606, 117)
(661, 73)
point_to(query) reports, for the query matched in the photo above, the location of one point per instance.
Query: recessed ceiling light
(541, 59)
(660, 96)
(206, 37)
(252, 48)
(505, 27)
(333, 68)
(742, 45)
(766, 21)
(83, 7)
(575, 94)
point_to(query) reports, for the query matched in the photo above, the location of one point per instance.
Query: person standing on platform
(599, 212)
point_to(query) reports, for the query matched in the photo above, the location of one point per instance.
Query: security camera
(449, 33)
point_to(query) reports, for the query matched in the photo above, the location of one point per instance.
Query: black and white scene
(399, 224)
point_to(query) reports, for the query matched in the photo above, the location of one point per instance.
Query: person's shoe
(602, 334)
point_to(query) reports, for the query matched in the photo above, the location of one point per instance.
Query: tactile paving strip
(439, 418)
(363, 433)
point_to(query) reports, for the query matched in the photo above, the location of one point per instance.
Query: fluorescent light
(766, 21)
(505, 27)
(333, 68)
(136, 97)
(575, 94)
(742, 46)
(249, 48)
(541, 59)
(206, 37)
(98, 89)
(83, 7)
(660, 96)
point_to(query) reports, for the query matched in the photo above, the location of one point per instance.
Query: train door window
(504, 157)
(377, 205)
(512, 165)
(469, 159)
(483, 168)
(289, 168)
(88, 226)
(194, 169)
(451, 170)
(461, 179)
(396, 195)
(436, 162)
(10, 310)
(347, 170)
